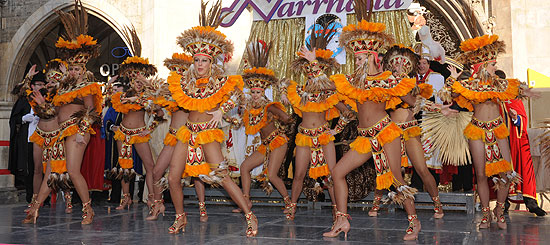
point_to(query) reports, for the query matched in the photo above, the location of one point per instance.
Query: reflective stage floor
(112, 226)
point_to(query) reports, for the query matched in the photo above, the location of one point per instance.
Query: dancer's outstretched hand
(305, 53)
(217, 117)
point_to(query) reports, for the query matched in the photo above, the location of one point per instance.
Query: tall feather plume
(76, 23)
(321, 41)
(214, 18)
(135, 44)
(258, 53)
(470, 16)
(363, 9)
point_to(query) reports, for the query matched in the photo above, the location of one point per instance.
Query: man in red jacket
(513, 112)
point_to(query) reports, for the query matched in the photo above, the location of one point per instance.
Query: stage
(112, 226)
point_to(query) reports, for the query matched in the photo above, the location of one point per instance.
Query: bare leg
(254, 160)
(199, 189)
(144, 152)
(477, 149)
(350, 161)
(32, 214)
(301, 162)
(502, 192)
(393, 154)
(330, 156)
(126, 199)
(214, 154)
(163, 161)
(276, 158)
(74, 153)
(37, 177)
(177, 166)
(415, 153)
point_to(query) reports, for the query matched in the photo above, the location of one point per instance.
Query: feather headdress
(205, 39)
(258, 76)
(135, 65)
(364, 36)
(75, 46)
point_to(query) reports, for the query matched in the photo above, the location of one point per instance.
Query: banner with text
(267, 10)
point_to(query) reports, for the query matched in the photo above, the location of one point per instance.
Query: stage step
(451, 201)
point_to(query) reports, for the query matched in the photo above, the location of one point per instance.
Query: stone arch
(451, 10)
(36, 26)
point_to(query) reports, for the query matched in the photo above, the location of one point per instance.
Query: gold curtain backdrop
(286, 37)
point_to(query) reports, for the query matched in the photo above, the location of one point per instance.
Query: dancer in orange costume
(317, 102)
(405, 60)
(263, 116)
(374, 91)
(207, 93)
(487, 133)
(133, 131)
(79, 102)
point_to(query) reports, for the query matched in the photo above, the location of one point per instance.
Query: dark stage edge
(111, 226)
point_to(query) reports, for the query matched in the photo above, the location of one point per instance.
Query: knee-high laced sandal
(438, 208)
(373, 212)
(156, 209)
(202, 211)
(339, 227)
(413, 229)
(68, 202)
(290, 211)
(87, 213)
(179, 224)
(251, 225)
(486, 219)
(499, 216)
(32, 213)
(33, 199)
(126, 201)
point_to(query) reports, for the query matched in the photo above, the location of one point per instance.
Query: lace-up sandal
(290, 211)
(339, 227)
(251, 225)
(156, 209)
(486, 219)
(202, 211)
(87, 213)
(499, 216)
(179, 224)
(68, 203)
(126, 201)
(413, 229)
(373, 212)
(32, 213)
(438, 208)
